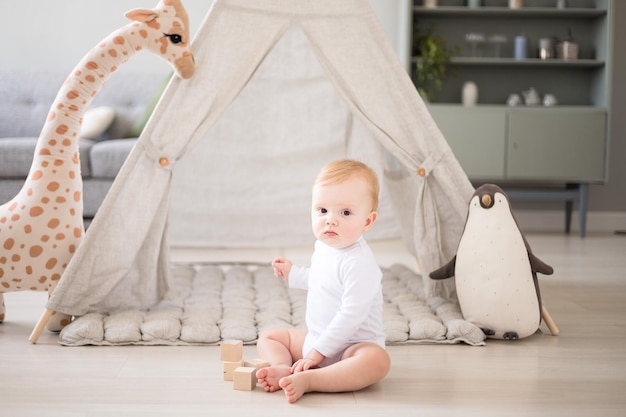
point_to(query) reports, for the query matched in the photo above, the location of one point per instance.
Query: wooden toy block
(229, 369)
(256, 363)
(231, 350)
(244, 378)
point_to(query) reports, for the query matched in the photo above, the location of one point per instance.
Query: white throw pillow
(96, 121)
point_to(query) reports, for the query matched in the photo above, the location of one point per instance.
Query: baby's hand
(281, 267)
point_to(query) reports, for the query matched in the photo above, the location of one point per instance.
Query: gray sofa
(25, 99)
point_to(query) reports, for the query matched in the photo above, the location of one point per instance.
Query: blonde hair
(339, 171)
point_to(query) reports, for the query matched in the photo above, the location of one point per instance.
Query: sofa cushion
(16, 156)
(96, 121)
(107, 157)
(27, 97)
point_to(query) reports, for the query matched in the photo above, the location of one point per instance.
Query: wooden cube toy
(256, 363)
(244, 378)
(231, 350)
(229, 369)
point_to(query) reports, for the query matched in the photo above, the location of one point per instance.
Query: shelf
(505, 12)
(530, 62)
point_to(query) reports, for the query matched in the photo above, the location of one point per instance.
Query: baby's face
(341, 212)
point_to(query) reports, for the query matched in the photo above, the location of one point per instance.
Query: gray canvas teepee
(204, 128)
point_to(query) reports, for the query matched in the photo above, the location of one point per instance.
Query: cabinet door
(476, 136)
(557, 144)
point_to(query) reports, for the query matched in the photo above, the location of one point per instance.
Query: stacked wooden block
(242, 373)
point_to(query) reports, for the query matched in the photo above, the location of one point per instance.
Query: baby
(343, 347)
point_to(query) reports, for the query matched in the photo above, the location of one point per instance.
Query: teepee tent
(279, 86)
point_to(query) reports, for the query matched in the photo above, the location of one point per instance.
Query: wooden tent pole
(547, 318)
(45, 317)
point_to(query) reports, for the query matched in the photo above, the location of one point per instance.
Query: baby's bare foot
(269, 377)
(295, 386)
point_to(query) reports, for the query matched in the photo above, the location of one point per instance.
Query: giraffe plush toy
(41, 227)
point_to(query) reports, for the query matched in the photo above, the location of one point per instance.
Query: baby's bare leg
(361, 365)
(281, 348)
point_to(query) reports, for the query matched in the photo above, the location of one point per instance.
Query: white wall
(56, 34)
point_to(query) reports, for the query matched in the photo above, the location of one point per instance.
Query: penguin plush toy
(495, 270)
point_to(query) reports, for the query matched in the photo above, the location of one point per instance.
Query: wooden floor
(580, 372)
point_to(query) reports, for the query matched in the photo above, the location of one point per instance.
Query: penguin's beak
(486, 201)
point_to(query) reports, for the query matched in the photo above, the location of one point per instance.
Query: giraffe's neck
(59, 138)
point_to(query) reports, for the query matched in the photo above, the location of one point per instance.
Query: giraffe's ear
(141, 15)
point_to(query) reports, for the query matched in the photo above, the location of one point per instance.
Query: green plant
(431, 62)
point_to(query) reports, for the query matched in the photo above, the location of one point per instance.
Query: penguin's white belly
(493, 277)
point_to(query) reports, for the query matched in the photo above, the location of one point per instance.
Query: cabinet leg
(583, 194)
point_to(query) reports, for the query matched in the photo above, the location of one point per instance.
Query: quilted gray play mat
(217, 302)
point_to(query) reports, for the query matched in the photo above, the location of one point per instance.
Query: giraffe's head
(166, 30)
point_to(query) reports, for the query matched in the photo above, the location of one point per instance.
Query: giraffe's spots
(3, 259)
(53, 186)
(1, 274)
(37, 174)
(28, 228)
(16, 257)
(35, 251)
(119, 40)
(13, 206)
(72, 212)
(112, 52)
(113, 68)
(77, 232)
(75, 159)
(29, 270)
(45, 200)
(58, 162)
(92, 65)
(143, 33)
(45, 238)
(5, 284)
(45, 164)
(72, 174)
(72, 248)
(54, 223)
(154, 24)
(62, 129)
(52, 142)
(59, 236)
(42, 279)
(164, 44)
(74, 107)
(45, 151)
(90, 78)
(51, 116)
(67, 142)
(55, 277)
(35, 211)
(77, 196)
(72, 94)
(3, 220)
(8, 244)
(60, 199)
(51, 263)
(15, 217)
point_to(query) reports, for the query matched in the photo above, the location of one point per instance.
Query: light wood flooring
(580, 372)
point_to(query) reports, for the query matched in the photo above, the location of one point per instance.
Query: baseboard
(554, 221)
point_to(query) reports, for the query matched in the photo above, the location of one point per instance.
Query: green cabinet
(495, 143)
(564, 144)
(476, 136)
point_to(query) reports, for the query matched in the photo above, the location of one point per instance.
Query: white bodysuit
(344, 300)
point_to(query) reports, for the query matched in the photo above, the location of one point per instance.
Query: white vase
(469, 95)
